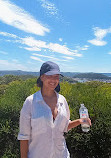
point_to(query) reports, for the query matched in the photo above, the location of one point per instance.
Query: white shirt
(45, 136)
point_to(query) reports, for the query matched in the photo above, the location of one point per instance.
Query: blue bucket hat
(49, 68)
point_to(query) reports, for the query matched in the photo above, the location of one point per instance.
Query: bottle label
(84, 114)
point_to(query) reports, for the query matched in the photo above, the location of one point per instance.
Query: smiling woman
(45, 117)
(50, 81)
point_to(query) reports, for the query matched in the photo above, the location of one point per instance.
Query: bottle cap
(82, 105)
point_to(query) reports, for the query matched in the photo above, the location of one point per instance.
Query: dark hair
(39, 83)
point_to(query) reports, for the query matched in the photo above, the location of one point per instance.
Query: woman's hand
(85, 121)
(77, 122)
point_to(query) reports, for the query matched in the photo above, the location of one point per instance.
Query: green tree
(10, 106)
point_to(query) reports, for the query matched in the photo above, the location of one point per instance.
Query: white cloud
(30, 41)
(85, 47)
(42, 55)
(32, 48)
(37, 45)
(50, 7)
(15, 61)
(11, 65)
(15, 16)
(63, 49)
(60, 39)
(97, 42)
(8, 34)
(99, 35)
(109, 53)
(36, 58)
(78, 55)
(3, 52)
(50, 57)
(70, 58)
(55, 47)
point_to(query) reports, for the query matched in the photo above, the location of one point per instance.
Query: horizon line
(61, 71)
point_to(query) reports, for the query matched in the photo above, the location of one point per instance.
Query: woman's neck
(47, 92)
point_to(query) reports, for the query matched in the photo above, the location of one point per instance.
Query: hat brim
(53, 73)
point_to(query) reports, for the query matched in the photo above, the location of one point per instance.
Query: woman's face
(50, 81)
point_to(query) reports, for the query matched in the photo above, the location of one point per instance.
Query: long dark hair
(39, 83)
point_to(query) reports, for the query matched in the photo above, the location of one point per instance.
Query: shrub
(95, 95)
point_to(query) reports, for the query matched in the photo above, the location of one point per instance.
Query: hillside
(91, 76)
(18, 73)
(67, 74)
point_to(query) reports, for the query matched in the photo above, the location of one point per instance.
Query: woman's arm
(24, 148)
(77, 122)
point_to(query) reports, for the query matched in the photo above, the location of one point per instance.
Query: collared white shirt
(46, 137)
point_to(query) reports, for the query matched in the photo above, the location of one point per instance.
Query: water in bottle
(83, 111)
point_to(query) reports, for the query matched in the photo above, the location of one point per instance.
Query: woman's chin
(51, 87)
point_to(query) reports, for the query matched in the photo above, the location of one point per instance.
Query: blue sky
(75, 34)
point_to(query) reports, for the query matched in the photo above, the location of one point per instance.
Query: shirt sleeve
(68, 116)
(25, 121)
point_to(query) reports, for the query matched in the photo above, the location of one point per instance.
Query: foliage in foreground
(95, 95)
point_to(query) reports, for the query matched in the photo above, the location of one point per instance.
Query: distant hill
(67, 74)
(107, 74)
(18, 73)
(91, 76)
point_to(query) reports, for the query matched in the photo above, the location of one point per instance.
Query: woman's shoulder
(29, 100)
(31, 97)
(61, 97)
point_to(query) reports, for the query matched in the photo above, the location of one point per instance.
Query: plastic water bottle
(83, 111)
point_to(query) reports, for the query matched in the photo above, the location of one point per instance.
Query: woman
(45, 117)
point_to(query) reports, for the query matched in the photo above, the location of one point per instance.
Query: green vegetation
(95, 95)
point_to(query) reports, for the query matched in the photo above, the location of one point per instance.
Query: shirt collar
(40, 98)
